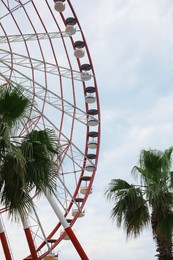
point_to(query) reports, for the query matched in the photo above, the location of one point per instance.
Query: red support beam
(31, 243)
(5, 246)
(76, 243)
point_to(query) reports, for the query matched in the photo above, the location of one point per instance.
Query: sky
(130, 42)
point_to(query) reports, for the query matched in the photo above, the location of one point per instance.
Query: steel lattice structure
(45, 51)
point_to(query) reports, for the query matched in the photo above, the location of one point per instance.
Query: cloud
(129, 42)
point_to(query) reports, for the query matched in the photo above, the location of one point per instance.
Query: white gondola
(92, 144)
(59, 6)
(92, 122)
(66, 237)
(85, 76)
(51, 256)
(79, 53)
(89, 167)
(70, 29)
(84, 189)
(77, 211)
(90, 99)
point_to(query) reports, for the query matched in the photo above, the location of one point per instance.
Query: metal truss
(6, 57)
(33, 37)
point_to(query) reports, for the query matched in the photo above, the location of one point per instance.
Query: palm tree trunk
(164, 246)
(164, 249)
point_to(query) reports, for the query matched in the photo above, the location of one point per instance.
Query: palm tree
(150, 203)
(24, 161)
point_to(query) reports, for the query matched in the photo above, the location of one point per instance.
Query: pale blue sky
(131, 45)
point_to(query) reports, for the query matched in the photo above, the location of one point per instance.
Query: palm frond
(167, 159)
(13, 104)
(171, 179)
(135, 221)
(20, 206)
(159, 197)
(151, 163)
(153, 166)
(165, 226)
(46, 137)
(12, 176)
(139, 174)
(131, 211)
(40, 167)
(116, 186)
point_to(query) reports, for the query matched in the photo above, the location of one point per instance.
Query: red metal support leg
(66, 225)
(31, 244)
(30, 240)
(4, 242)
(5, 246)
(76, 243)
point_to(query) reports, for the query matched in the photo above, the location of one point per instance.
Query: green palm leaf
(13, 104)
(165, 226)
(130, 209)
(116, 187)
(45, 137)
(38, 149)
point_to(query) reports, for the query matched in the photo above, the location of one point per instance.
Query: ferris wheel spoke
(51, 98)
(66, 193)
(38, 65)
(33, 37)
(55, 102)
(37, 223)
(14, 7)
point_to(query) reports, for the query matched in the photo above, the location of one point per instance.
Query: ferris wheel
(43, 49)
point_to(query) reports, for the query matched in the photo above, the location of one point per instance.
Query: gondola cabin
(51, 256)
